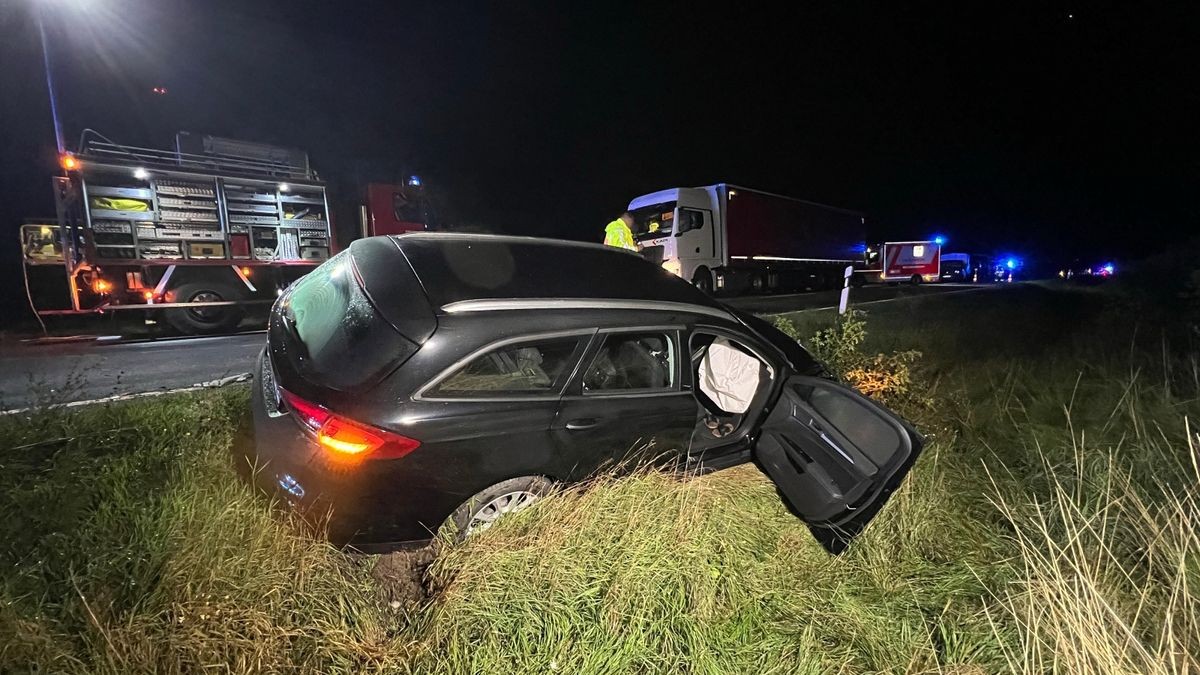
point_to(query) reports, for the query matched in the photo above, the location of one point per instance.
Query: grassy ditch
(132, 547)
(1050, 526)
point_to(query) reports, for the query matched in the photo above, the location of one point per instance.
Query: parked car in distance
(426, 380)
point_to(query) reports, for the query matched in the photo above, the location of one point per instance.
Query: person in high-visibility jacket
(619, 233)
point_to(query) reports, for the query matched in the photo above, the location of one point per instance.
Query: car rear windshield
(343, 342)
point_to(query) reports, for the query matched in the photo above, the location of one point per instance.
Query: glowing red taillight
(343, 437)
(308, 414)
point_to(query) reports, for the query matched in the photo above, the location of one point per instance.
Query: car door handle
(820, 431)
(581, 424)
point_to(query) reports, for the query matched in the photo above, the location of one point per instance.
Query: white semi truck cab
(726, 238)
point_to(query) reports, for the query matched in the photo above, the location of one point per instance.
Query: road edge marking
(116, 398)
(853, 304)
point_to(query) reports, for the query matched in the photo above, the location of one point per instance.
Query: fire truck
(196, 233)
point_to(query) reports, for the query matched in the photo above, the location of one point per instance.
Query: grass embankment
(131, 547)
(1050, 525)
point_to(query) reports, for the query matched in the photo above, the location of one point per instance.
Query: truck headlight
(672, 266)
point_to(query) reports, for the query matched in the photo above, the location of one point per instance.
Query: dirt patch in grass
(402, 577)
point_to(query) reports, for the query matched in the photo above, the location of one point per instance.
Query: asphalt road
(779, 304)
(75, 372)
(51, 374)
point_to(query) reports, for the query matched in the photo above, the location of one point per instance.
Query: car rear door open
(834, 455)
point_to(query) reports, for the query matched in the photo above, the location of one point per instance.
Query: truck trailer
(727, 239)
(193, 233)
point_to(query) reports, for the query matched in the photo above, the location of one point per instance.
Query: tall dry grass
(1110, 566)
(130, 546)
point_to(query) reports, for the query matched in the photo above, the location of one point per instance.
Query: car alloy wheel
(509, 502)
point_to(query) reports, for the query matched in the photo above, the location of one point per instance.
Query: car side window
(690, 220)
(523, 368)
(631, 362)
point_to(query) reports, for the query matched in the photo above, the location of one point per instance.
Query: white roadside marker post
(845, 290)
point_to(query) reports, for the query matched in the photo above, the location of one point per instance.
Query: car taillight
(308, 414)
(343, 437)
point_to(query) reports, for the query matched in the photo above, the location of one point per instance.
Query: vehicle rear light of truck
(343, 437)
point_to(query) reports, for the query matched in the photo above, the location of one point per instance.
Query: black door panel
(626, 405)
(469, 445)
(834, 455)
(594, 430)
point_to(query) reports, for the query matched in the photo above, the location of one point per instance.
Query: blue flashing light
(1110, 268)
(414, 181)
(860, 247)
(1011, 263)
(939, 240)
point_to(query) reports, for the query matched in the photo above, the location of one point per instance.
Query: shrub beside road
(1051, 525)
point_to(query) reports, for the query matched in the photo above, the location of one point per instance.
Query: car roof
(478, 272)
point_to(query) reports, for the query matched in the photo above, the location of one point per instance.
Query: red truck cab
(394, 209)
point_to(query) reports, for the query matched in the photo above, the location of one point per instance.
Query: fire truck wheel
(915, 279)
(204, 320)
(703, 280)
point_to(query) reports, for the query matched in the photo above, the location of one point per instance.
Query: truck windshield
(651, 222)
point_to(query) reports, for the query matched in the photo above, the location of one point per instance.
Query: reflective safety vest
(618, 234)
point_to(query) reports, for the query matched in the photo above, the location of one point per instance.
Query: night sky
(1052, 129)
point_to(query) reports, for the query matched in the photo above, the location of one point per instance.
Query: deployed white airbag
(729, 376)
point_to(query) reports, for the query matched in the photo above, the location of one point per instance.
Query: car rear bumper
(364, 506)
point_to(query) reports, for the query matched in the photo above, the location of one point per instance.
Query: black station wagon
(429, 380)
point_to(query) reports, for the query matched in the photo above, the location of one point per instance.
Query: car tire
(483, 509)
(204, 321)
(703, 280)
